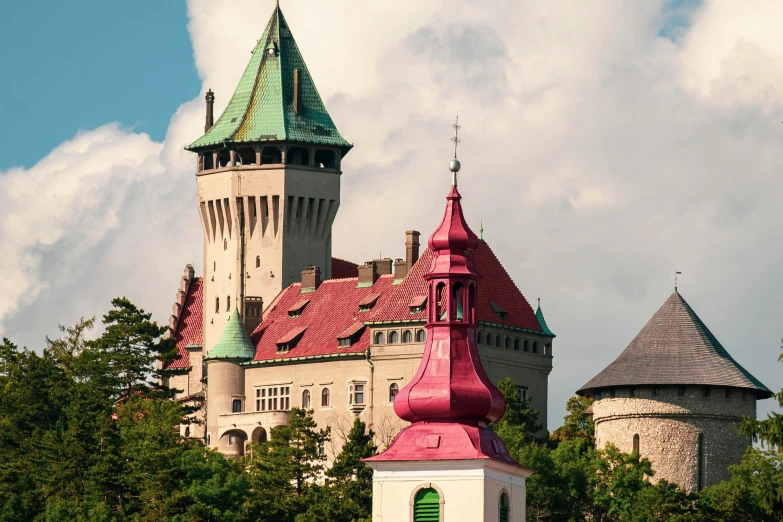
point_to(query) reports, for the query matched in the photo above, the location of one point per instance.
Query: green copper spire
(269, 104)
(542, 321)
(234, 343)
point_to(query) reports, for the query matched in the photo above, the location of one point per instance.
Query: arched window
(535, 346)
(393, 389)
(421, 336)
(407, 336)
(503, 507)
(236, 406)
(636, 444)
(217, 304)
(700, 463)
(440, 299)
(259, 435)
(497, 341)
(458, 312)
(325, 397)
(306, 399)
(379, 338)
(225, 244)
(526, 346)
(187, 431)
(507, 343)
(489, 339)
(228, 303)
(394, 337)
(516, 344)
(480, 338)
(258, 261)
(214, 266)
(426, 505)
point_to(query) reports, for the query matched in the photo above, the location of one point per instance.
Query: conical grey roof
(675, 347)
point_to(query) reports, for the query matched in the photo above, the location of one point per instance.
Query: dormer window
(298, 308)
(368, 302)
(499, 311)
(290, 340)
(418, 304)
(349, 336)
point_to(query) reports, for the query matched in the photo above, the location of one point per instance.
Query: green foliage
(518, 425)
(576, 425)
(770, 430)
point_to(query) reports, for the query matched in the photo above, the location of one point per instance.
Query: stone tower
(675, 396)
(268, 184)
(448, 464)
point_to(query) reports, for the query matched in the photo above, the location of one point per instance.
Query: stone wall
(670, 425)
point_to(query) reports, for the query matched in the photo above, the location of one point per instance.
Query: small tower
(226, 384)
(448, 464)
(268, 183)
(675, 396)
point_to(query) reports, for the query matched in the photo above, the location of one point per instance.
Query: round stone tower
(675, 396)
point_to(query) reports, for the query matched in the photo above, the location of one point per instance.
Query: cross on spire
(456, 139)
(677, 273)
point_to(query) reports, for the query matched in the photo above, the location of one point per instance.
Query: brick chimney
(368, 273)
(400, 268)
(411, 248)
(311, 278)
(210, 110)
(384, 266)
(254, 307)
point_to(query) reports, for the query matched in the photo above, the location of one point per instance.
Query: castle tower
(448, 464)
(268, 183)
(675, 396)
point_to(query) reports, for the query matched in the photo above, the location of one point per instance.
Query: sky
(605, 145)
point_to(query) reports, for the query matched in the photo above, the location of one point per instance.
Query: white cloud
(600, 155)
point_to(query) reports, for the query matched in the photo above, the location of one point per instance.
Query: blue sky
(78, 65)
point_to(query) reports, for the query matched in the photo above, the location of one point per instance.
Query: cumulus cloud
(602, 149)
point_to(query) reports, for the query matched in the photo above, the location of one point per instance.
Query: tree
(519, 423)
(576, 424)
(770, 430)
(284, 471)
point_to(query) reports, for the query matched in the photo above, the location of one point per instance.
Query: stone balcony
(253, 424)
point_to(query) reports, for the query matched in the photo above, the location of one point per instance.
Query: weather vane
(675, 279)
(454, 165)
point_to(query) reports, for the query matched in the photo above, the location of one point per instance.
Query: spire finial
(539, 302)
(481, 231)
(454, 165)
(675, 279)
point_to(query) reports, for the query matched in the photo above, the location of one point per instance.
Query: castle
(275, 321)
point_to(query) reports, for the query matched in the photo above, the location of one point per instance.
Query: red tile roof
(495, 285)
(342, 269)
(190, 326)
(333, 308)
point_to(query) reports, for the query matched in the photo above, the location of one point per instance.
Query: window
(217, 304)
(225, 244)
(706, 391)
(325, 397)
(321, 449)
(503, 508)
(356, 394)
(236, 406)
(535, 346)
(516, 344)
(526, 346)
(379, 338)
(426, 505)
(306, 399)
(228, 303)
(489, 339)
(273, 398)
(681, 391)
(394, 337)
(187, 431)
(394, 388)
(657, 391)
(231, 440)
(700, 462)
(421, 336)
(214, 266)
(522, 392)
(480, 338)
(258, 261)
(727, 393)
(507, 343)
(636, 444)
(497, 341)
(407, 336)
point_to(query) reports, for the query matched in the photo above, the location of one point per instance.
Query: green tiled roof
(234, 343)
(542, 321)
(261, 108)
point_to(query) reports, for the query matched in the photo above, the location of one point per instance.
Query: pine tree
(770, 430)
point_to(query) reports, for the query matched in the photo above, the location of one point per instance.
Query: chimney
(411, 248)
(253, 313)
(384, 266)
(210, 113)
(368, 273)
(311, 278)
(400, 268)
(297, 90)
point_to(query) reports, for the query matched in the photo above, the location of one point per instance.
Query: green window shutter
(503, 508)
(426, 506)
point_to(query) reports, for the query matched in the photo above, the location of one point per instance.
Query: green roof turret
(267, 106)
(234, 344)
(542, 321)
